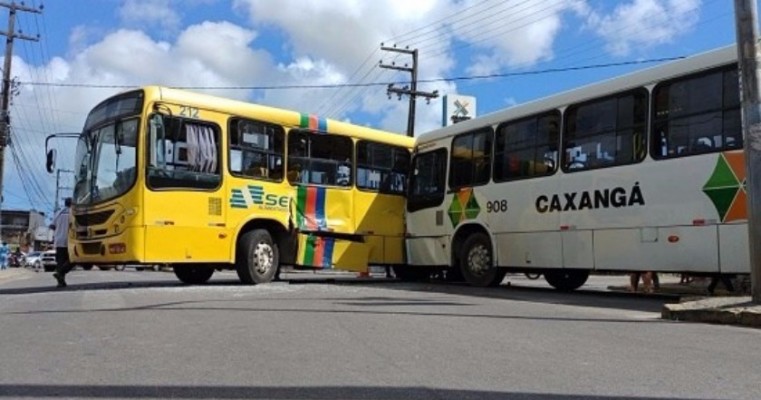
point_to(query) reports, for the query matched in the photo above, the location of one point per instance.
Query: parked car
(33, 260)
(48, 260)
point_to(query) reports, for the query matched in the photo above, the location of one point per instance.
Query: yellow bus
(167, 176)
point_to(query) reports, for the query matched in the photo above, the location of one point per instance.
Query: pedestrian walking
(5, 251)
(61, 243)
(726, 279)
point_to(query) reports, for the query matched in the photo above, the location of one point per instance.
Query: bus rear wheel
(193, 274)
(566, 280)
(258, 257)
(477, 262)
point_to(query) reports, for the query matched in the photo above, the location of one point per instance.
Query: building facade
(25, 229)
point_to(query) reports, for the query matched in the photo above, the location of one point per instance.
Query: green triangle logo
(472, 208)
(455, 211)
(722, 199)
(722, 176)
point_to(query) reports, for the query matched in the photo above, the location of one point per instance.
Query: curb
(727, 311)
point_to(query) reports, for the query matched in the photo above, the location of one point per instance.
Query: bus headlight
(117, 248)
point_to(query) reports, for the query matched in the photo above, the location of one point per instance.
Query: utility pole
(746, 16)
(5, 117)
(411, 89)
(56, 205)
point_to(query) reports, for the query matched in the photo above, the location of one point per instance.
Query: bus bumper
(126, 247)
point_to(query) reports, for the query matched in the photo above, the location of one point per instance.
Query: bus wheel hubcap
(478, 260)
(263, 257)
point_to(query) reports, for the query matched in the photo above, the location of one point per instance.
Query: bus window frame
(236, 119)
(149, 145)
(558, 143)
(638, 158)
(379, 191)
(309, 133)
(655, 143)
(428, 201)
(489, 130)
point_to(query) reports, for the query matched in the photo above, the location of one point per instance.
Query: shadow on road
(274, 392)
(584, 298)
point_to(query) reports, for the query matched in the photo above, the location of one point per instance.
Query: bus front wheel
(566, 280)
(193, 274)
(477, 262)
(258, 257)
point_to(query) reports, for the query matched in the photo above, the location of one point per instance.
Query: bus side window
(184, 154)
(256, 149)
(697, 114)
(322, 159)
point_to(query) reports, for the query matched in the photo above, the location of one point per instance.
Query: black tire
(566, 280)
(477, 262)
(105, 268)
(533, 275)
(258, 257)
(87, 267)
(193, 274)
(407, 273)
(139, 268)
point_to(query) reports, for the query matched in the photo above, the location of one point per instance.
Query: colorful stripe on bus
(313, 122)
(310, 208)
(318, 252)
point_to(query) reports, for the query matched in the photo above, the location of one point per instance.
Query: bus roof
(287, 118)
(649, 76)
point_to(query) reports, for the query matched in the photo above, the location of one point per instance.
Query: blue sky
(234, 44)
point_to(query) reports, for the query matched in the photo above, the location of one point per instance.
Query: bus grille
(93, 218)
(91, 248)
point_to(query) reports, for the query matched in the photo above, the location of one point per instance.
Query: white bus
(644, 172)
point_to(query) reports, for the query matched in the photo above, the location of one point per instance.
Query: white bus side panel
(733, 251)
(535, 249)
(429, 250)
(629, 249)
(578, 249)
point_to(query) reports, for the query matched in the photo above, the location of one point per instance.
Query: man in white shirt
(61, 243)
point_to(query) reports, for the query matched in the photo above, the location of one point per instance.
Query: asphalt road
(140, 335)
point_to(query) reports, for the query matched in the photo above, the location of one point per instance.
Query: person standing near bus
(61, 243)
(5, 251)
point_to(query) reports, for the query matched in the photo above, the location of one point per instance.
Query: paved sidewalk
(11, 274)
(716, 310)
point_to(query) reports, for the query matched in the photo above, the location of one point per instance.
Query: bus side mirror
(50, 162)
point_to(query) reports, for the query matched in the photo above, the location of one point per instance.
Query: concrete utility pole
(410, 90)
(746, 16)
(5, 117)
(56, 205)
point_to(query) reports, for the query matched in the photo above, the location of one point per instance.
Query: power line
(344, 85)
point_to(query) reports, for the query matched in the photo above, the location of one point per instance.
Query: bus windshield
(105, 162)
(106, 152)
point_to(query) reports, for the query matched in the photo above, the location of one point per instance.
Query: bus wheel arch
(473, 255)
(258, 250)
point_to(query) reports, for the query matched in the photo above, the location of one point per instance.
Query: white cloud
(645, 23)
(159, 13)
(337, 37)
